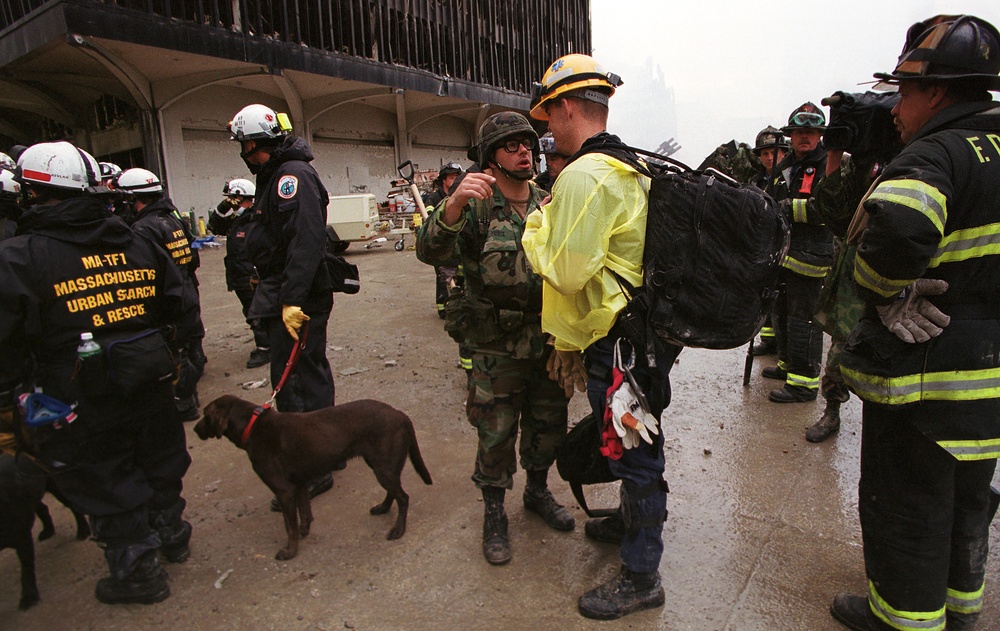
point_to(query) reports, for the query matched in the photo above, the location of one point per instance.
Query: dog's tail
(415, 458)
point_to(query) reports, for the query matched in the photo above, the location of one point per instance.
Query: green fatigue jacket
(500, 310)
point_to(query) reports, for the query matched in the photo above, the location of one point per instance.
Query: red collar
(257, 411)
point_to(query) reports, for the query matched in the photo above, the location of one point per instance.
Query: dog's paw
(380, 509)
(396, 533)
(304, 530)
(28, 601)
(284, 554)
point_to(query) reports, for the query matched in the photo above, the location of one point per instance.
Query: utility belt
(475, 320)
(126, 364)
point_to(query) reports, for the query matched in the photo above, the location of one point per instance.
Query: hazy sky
(738, 65)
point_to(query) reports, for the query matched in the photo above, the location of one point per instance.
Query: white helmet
(6, 162)
(257, 122)
(57, 164)
(138, 181)
(8, 184)
(241, 187)
(109, 170)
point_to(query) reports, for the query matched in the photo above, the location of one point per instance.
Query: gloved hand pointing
(293, 319)
(912, 318)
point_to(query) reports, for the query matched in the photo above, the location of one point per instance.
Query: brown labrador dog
(287, 450)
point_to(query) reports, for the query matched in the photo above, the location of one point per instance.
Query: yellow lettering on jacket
(979, 150)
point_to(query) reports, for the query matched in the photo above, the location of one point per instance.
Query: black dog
(287, 450)
(22, 484)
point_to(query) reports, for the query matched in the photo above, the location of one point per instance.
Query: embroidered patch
(288, 185)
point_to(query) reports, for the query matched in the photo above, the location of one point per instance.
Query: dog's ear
(216, 419)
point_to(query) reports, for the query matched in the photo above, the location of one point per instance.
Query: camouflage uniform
(498, 319)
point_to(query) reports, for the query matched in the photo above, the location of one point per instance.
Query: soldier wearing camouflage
(498, 318)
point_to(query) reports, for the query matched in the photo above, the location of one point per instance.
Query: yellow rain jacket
(595, 223)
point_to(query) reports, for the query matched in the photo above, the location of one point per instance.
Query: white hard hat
(57, 164)
(138, 181)
(7, 182)
(256, 122)
(6, 162)
(240, 186)
(109, 170)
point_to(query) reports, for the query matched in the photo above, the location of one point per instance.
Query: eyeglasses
(808, 119)
(514, 144)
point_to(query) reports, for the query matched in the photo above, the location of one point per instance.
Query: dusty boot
(625, 593)
(961, 621)
(145, 584)
(538, 499)
(853, 612)
(609, 529)
(496, 544)
(827, 424)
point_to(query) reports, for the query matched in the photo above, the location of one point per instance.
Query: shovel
(414, 191)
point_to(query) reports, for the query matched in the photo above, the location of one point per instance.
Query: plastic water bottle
(88, 347)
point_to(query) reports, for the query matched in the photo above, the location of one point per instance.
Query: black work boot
(625, 593)
(322, 484)
(853, 612)
(793, 394)
(827, 424)
(961, 621)
(145, 585)
(773, 372)
(766, 346)
(538, 499)
(259, 357)
(496, 543)
(609, 529)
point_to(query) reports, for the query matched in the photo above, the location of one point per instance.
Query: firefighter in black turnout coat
(925, 357)
(120, 455)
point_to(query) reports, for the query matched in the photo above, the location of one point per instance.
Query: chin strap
(520, 176)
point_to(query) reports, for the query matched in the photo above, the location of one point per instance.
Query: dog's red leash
(293, 359)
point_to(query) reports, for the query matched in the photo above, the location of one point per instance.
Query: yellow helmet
(573, 72)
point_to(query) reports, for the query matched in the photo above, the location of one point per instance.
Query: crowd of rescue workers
(889, 221)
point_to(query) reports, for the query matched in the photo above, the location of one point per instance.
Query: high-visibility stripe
(951, 385)
(465, 362)
(801, 380)
(871, 280)
(919, 196)
(767, 331)
(904, 620)
(970, 243)
(805, 269)
(965, 602)
(782, 365)
(972, 449)
(799, 210)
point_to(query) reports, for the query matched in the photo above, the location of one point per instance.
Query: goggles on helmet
(808, 119)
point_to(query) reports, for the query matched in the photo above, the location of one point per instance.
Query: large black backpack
(712, 254)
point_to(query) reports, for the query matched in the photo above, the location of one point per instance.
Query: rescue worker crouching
(151, 213)
(498, 319)
(120, 455)
(230, 219)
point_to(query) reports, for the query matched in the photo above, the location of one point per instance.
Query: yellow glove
(293, 319)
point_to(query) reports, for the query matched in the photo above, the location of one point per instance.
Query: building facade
(369, 83)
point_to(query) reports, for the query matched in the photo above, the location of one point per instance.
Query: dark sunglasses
(513, 145)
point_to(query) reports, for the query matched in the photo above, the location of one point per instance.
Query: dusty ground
(762, 532)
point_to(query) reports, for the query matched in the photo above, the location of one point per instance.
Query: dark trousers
(644, 491)
(260, 336)
(925, 519)
(122, 464)
(799, 338)
(310, 386)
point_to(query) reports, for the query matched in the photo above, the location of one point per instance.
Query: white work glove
(631, 422)
(912, 318)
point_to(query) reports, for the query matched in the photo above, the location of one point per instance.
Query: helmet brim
(889, 81)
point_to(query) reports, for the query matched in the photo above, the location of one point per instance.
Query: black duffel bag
(580, 461)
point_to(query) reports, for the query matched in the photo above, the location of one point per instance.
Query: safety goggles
(808, 119)
(513, 145)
